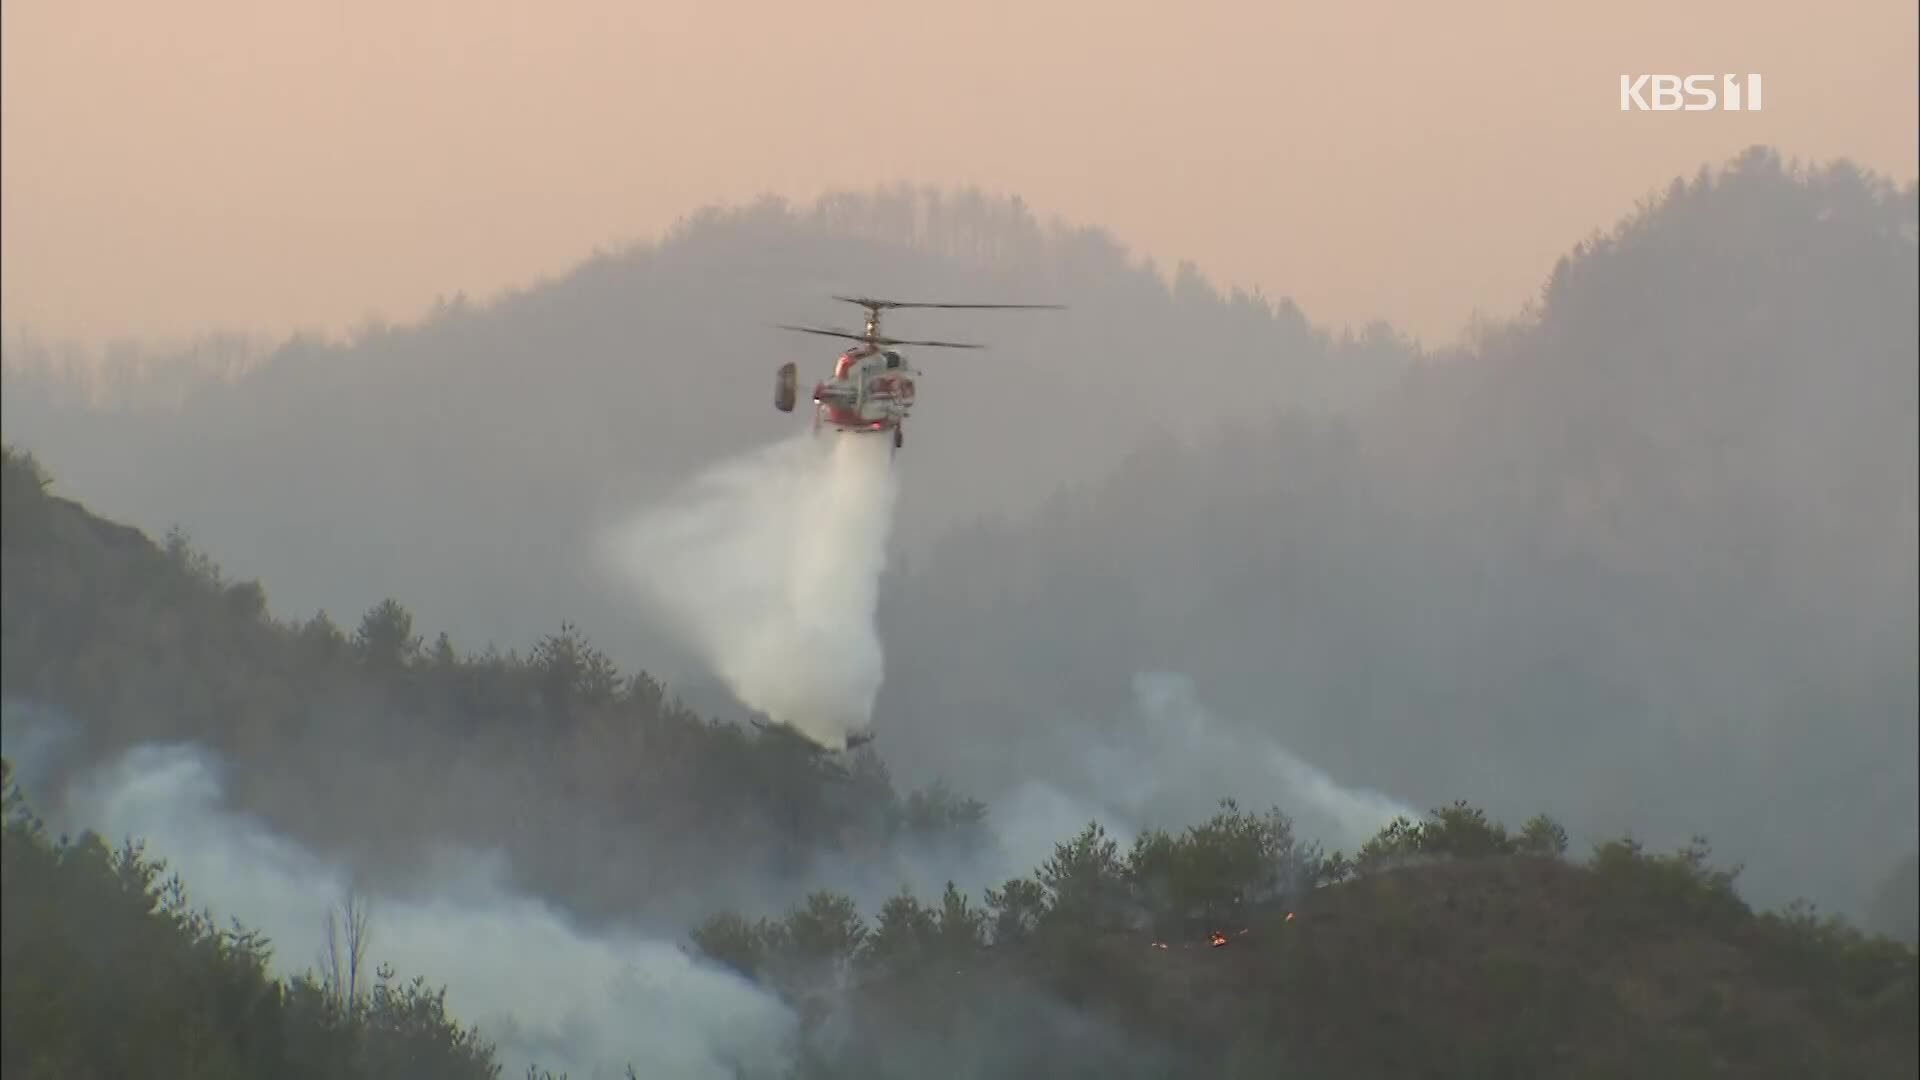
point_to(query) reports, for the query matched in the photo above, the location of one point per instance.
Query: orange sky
(263, 166)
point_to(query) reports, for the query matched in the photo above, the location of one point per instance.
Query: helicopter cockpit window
(893, 360)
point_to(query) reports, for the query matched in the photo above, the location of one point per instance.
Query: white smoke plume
(542, 990)
(768, 566)
(1167, 769)
(1186, 757)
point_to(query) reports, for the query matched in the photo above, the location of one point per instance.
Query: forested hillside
(1445, 947)
(107, 970)
(1644, 557)
(1641, 555)
(486, 442)
(608, 795)
(1639, 561)
(1231, 947)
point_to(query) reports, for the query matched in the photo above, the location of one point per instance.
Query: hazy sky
(263, 166)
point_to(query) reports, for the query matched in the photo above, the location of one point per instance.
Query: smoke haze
(1630, 559)
(1640, 558)
(768, 566)
(543, 990)
(1186, 751)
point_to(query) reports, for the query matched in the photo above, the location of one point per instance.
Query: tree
(826, 929)
(960, 929)
(109, 972)
(1016, 909)
(733, 942)
(1542, 835)
(343, 953)
(321, 639)
(1084, 879)
(386, 641)
(1213, 869)
(904, 931)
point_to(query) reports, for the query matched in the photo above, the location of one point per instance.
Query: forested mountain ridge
(1474, 948)
(108, 971)
(1448, 946)
(486, 441)
(1444, 944)
(1643, 557)
(608, 795)
(1652, 534)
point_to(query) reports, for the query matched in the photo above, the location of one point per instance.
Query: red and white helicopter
(872, 386)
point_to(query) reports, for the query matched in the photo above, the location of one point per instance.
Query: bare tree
(341, 961)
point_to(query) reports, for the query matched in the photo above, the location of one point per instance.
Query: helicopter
(872, 388)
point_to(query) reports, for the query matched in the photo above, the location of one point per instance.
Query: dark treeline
(1447, 944)
(1641, 555)
(106, 971)
(577, 397)
(127, 375)
(1644, 556)
(601, 787)
(1444, 947)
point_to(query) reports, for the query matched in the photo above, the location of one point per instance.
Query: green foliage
(1880, 976)
(734, 942)
(146, 641)
(909, 933)
(385, 640)
(960, 929)
(23, 486)
(1213, 869)
(1016, 909)
(1085, 880)
(1334, 869)
(906, 930)
(1502, 958)
(105, 971)
(570, 670)
(1650, 892)
(937, 809)
(197, 565)
(1459, 831)
(1542, 835)
(826, 931)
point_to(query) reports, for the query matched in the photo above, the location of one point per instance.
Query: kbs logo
(1689, 93)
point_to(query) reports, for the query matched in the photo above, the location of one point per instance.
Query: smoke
(1168, 769)
(1184, 758)
(543, 991)
(768, 567)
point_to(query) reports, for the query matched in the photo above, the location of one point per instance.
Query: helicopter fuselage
(872, 390)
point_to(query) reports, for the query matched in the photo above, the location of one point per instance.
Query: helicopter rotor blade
(931, 344)
(880, 339)
(882, 305)
(849, 335)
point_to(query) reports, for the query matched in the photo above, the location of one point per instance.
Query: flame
(1289, 916)
(1219, 939)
